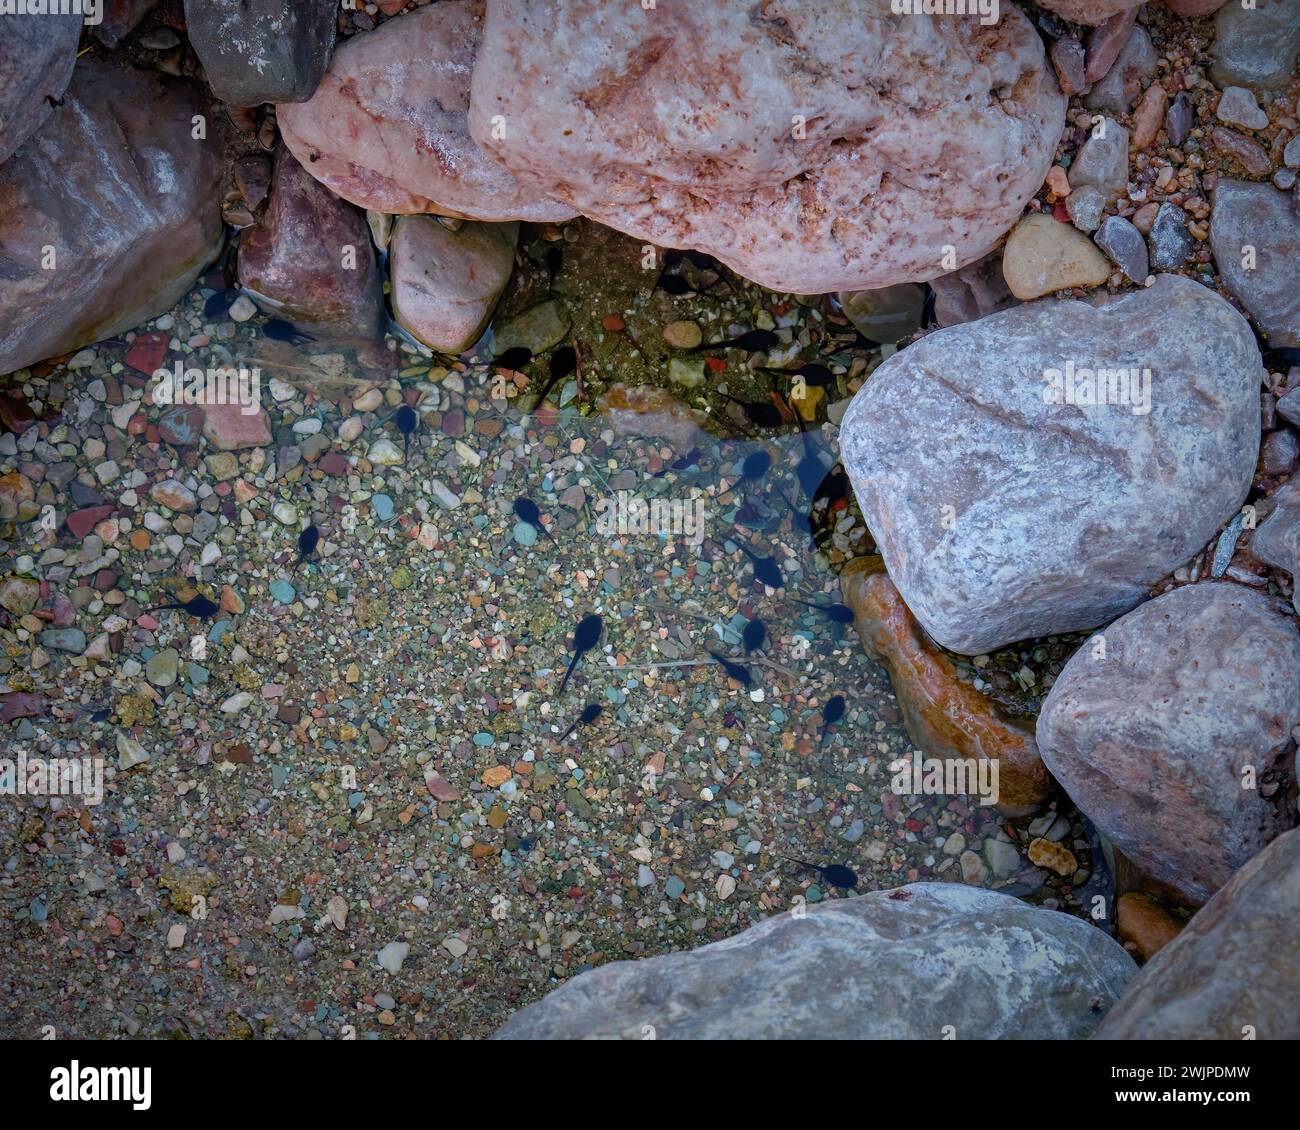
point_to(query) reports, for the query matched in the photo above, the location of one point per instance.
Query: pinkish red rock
(897, 158)
(439, 789)
(1090, 12)
(293, 259)
(386, 128)
(147, 352)
(229, 429)
(1105, 43)
(81, 522)
(332, 463)
(20, 704)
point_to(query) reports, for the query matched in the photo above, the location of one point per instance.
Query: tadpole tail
(572, 664)
(564, 737)
(160, 607)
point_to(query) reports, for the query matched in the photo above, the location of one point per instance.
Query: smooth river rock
(1234, 971)
(297, 260)
(257, 51)
(1248, 215)
(1043, 255)
(1256, 46)
(387, 128)
(445, 283)
(1003, 515)
(36, 58)
(811, 145)
(127, 198)
(945, 716)
(907, 963)
(1152, 722)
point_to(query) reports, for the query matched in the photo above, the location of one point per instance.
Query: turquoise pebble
(282, 591)
(198, 675)
(483, 738)
(674, 888)
(525, 534)
(383, 507)
(813, 894)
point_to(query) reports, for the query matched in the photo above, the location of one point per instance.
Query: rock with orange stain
(945, 717)
(650, 412)
(1144, 925)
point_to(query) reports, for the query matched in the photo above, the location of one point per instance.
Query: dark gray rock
(258, 51)
(1004, 510)
(1234, 971)
(1125, 246)
(1247, 215)
(975, 291)
(116, 184)
(1170, 243)
(1179, 118)
(903, 964)
(121, 18)
(1256, 46)
(36, 58)
(1152, 722)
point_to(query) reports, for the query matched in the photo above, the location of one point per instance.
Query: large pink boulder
(1090, 12)
(811, 145)
(386, 128)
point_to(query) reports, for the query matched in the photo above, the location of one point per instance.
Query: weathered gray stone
(295, 260)
(1085, 206)
(387, 128)
(900, 964)
(1125, 246)
(118, 186)
(1256, 46)
(1152, 723)
(1233, 971)
(36, 59)
(445, 283)
(1001, 515)
(851, 147)
(1170, 243)
(1258, 216)
(258, 51)
(1238, 107)
(1277, 540)
(1103, 159)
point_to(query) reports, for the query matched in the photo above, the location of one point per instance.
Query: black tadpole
(308, 540)
(765, 568)
(563, 361)
(755, 465)
(526, 511)
(585, 636)
(755, 341)
(836, 874)
(763, 414)
(514, 359)
(200, 607)
(590, 713)
(754, 635)
(277, 329)
(832, 712)
(840, 613)
(407, 420)
(737, 671)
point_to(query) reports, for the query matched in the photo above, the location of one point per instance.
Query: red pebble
(147, 352)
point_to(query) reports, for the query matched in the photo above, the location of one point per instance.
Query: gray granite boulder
(905, 964)
(258, 51)
(811, 145)
(110, 212)
(1234, 971)
(1008, 504)
(1256, 46)
(1248, 215)
(36, 58)
(1152, 723)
